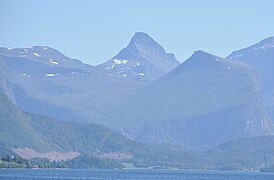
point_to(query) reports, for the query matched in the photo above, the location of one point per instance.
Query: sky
(93, 31)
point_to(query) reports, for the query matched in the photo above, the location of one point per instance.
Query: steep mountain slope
(30, 135)
(40, 133)
(217, 100)
(261, 55)
(15, 126)
(203, 102)
(260, 145)
(255, 150)
(5, 87)
(26, 133)
(143, 59)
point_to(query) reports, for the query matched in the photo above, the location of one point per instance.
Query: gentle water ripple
(49, 174)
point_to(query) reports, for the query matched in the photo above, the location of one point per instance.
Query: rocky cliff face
(261, 55)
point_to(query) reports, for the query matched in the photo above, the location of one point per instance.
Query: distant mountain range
(143, 93)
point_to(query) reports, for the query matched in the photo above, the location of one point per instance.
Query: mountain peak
(202, 57)
(146, 47)
(141, 36)
(143, 57)
(202, 53)
(142, 40)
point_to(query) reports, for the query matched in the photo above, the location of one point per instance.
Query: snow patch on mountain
(51, 75)
(265, 47)
(119, 61)
(53, 62)
(27, 75)
(139, 74)
(36, 54)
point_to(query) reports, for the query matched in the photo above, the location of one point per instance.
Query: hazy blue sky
(94, 31)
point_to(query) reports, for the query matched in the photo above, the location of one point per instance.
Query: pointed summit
(141, 37)
(202, 53)
(204, 56)
(146, 47)
(143, 59)
(141, 40)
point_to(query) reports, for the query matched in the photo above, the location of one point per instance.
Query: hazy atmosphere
(149, 90)
(93, 31)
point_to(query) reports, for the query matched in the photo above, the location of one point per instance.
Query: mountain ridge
(180, 108)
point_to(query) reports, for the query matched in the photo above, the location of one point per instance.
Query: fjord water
(33, 174)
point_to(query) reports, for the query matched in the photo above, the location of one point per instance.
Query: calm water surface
(24, 174)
